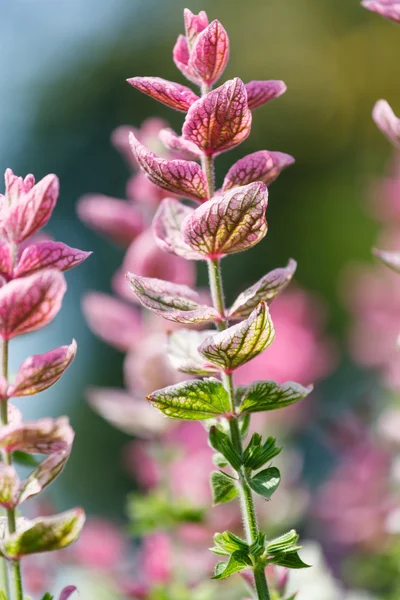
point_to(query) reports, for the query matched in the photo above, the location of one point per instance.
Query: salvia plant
(207, 226)
(31, 293)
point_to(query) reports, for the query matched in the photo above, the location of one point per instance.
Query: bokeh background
(64, 66)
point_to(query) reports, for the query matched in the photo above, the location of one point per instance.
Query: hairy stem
(247, 504)
(14, 566)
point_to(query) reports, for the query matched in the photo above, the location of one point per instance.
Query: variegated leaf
(177, 143)
(39, 372)
(44, 436)
(194, 24)
(210, 53)
(263, 396)
(49, 255)
(9, 484)
(182, 350)
(42, 476)
(192, 400)
(231, 348)
(181, 177)
(260, 92)
(232, 222)
(172, 301)
(167, 228)
(170, 93)
(220, 120)
(265, 290)
(262, 166)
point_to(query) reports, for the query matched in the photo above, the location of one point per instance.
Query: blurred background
(64, 67)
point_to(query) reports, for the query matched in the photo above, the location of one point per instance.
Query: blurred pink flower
(101, 546)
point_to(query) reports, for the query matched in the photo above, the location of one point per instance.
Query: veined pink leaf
(390, 9)
(6, 260)
(181, 177)
(233, 347)
(49, 255)
(194, 24)
(172, 94)
(167, 226)
(387, 121)
(261, 92)
(116, 219)
(44, 436)
(390, 259)
(220, 120)
(16, 186)
(172, 301)
(29, 303)
(181, 59)
(30, 212)
(39, 372)
(262, 166)
(210, 53)
(182, 350)
(112, 320)
(42, 476)
(9, 484)
(67, 592)
(265, 290)
(176, 143)
(228, 223)
(44, 534)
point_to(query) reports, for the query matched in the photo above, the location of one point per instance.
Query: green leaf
(48, 596)
(244, 424)
(192, 400)
(237, 562)
(266, 482)
(24, 459)
(223, 487)
(258, 546)
(227, 542)
(291, 560)
(219, 460)
(222, 443)
(3, 596)
(233, 347)
(257, 455)
(268, 395)
(283, 543)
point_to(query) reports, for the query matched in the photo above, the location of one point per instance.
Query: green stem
(247, 504)
(14, 566)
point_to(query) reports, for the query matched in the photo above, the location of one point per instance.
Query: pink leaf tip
(261, 92)
(386, 121)
(390, 9)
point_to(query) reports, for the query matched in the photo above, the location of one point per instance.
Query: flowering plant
(222, 222)
(31, 293)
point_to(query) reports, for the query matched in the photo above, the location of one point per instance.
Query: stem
(14, 566)
(217, 293)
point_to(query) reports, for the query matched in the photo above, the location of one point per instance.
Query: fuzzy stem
(14, 566)
(247, 504)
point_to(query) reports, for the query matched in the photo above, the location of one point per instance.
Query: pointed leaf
(386, 121)
(268, 395)
(177, 143)
(220, 120)
(170, 300)
(44, 436)
(115, 219)
(257, 454)
(240, 343)
(182, 350)
(222, 443)
(167, 225)
(284, 543)
(262, 166)
(210, 53)
(67, 592)
(45, 534)
(31, 211)
(232, 222)
(260, 92)
(290, 560)
(390, 259)
(194, 24)
(265, 290)
(237, 562)
(48, 596)
(172, 94)
(223, 488)
(266, 482)
(30, 303)
(181, 177)
(229, 542)
(9, 484)
(192, 400)
(49, 255)
(39, 372)
(42, 476)
(390, 9)
(181, 59)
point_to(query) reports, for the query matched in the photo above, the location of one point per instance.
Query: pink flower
(101, 546)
